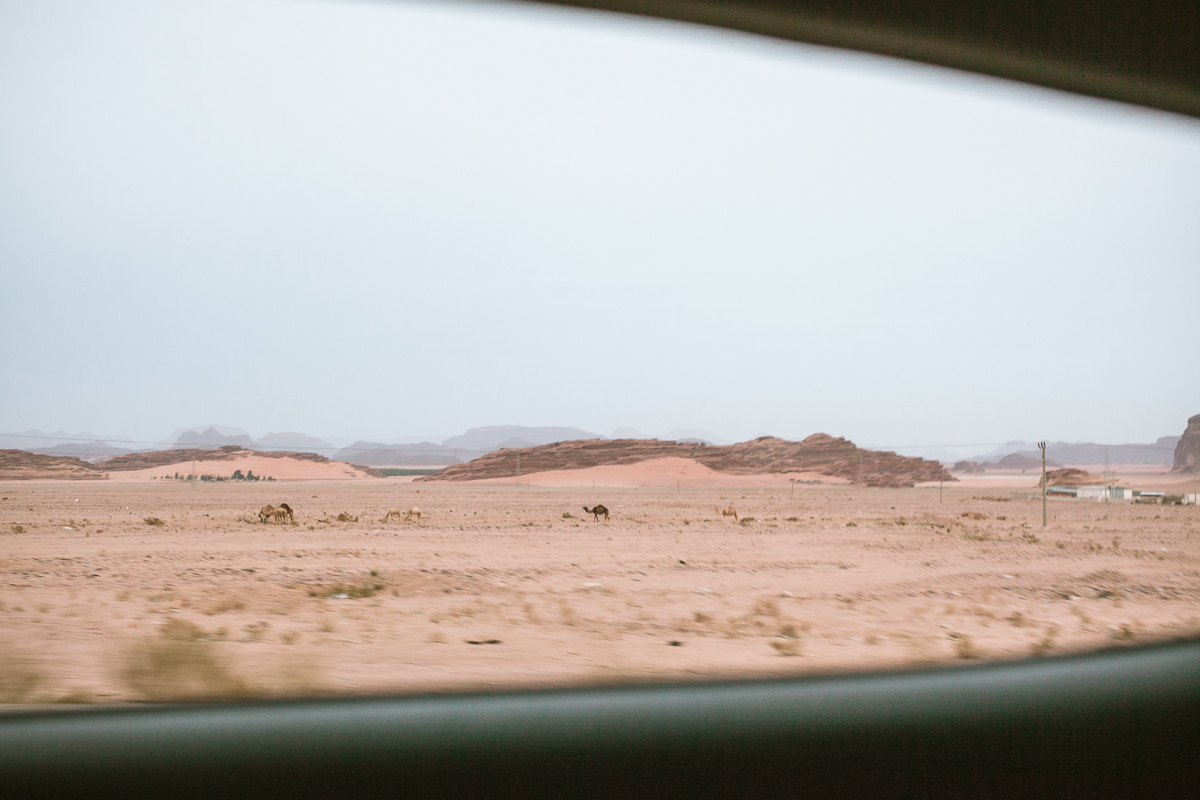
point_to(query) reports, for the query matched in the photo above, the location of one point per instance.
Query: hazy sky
(374, 219)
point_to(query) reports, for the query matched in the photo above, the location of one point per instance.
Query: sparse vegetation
(964, 647)
(179, 666)
(154, 521)
(351, 591)
(786, 647)
(18, 676)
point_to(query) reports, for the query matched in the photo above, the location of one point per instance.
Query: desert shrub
(344, 517)
(766, 607)
(18, 678)
(351, 591)
(1046, 644)
(179, 666)
(786, 647)
(964, 647)
(746, 520)
(155, 521)
(17, 528)
(224, 605)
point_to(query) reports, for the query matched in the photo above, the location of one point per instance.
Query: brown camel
(278, 515)
(291, 517)
(729, 511)
(411, 513)
(596, 511)
(265, 512)
(392, 512)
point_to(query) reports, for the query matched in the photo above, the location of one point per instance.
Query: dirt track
(839, 578)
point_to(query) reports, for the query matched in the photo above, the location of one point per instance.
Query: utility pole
(1042, 446)
(939, 490)
(518, 482)
(793, 495)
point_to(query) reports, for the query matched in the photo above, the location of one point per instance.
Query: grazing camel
(413, 512)
(291, 517)
(392, 512)
(730, 511)
(596, 511)
(265, 512)
(279, 515)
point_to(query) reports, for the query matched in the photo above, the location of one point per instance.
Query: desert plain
(505, 585)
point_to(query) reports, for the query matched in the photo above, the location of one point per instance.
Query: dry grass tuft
(766, 607)
(179, 667)
(350, 591)
(344, 517)
(964, 647)
(154, 521)
(786, 647)
(224, 606)
(17, 528)
(1046, 644)
(18, 676)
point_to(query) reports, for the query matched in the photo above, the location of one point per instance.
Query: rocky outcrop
(21, 465)
(968, 468)
(162, 458)
(1187, 450)
(820, 453)
(1070, 477)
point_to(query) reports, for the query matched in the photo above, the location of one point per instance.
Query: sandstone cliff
(1187, 451)
(818, 453)
(20, 465)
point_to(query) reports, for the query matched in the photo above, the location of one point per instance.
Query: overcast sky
(378, 219)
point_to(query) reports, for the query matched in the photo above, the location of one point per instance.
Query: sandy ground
(497, 587)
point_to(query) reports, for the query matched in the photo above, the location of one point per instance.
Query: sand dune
(657, 472)
(281, 469)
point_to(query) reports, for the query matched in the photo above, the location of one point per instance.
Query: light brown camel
(279, 515)
(265, 512)
(729, 511)
(413, 512)
(291, 517)
(393, 512)
(596, 511)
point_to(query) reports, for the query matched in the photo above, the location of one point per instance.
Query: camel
(291, 517)
(265, 512)
(279, 515)
(596, 511)
(392, 512)
(727, 512)
(413, 512)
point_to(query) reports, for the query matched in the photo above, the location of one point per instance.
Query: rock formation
(818, 453)
(21, 465)
(162, 458)
(1070, 477)
(1187, 451)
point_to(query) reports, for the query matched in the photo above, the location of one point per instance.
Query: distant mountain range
(477, 442)
(1161, 453)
